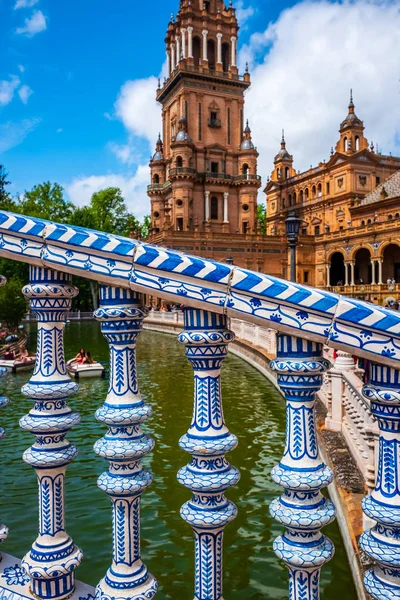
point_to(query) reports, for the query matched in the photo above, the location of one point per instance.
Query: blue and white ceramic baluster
(382, 542)
(301, 509)
(121, 315)
(52, 561)
(3, 402)
(208, 475)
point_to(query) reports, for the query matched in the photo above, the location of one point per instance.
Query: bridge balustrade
(306, 320)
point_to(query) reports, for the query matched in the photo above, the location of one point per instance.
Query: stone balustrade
(213, 295)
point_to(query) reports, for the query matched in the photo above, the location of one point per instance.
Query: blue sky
(65, 65)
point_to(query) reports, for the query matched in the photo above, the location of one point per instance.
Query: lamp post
(292, 233)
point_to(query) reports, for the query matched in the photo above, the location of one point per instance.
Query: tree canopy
(13, 305)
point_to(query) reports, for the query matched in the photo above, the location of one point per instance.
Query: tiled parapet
(51, 562)
(349, 325)
(302, 509)
(121, 315)
(208, 475)
(382, 542)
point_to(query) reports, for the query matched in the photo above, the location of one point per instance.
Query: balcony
(215, 123)
(153, 187)
(182, 171)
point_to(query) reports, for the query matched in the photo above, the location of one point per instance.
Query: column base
(144, 590)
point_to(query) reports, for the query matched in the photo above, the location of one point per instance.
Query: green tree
(13, 305)
(6, 202)
(83, 217)
(145, 227)
(110, 212)
(46, 201)
(262, 218)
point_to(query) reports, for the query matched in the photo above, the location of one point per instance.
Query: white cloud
(243, 14)
(21, 68)
(25, 93)
(35, 24)
(311, 57)
(25, 4)
(137, 108)
(134, 189)
(13, 133)
(7, 89)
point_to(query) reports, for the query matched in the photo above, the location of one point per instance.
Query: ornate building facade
(205, 184)
(350, 212)
(204, 180)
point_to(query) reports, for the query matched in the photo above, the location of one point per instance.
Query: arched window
(179, 162)
(196, 51)
(357, 143)
(211, 54)
(345, 144)
(156, 178)
(314, 191)
(307, 193)
(214, 207)
(319, 190)
(397, 216)
(337, 270)
(369, 222)
(225, 56)
(363, 266)
(286, 172)
(284, 202)
(290, 200)
(301, 196)
(390, 217)
(294, 198)
(245, 169)
(362, 223)
(278, 173)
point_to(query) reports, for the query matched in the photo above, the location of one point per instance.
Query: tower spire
(351, 105)
(283, 141)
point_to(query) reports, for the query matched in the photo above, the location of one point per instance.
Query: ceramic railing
(349, 411)
(305, 318)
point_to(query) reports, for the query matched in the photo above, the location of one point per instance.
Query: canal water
(254, 411)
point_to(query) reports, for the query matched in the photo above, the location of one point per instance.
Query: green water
(254, 411)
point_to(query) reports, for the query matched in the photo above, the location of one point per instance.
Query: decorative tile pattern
(300, 367)
(121, 315)
(208, 475)
(349, 325)
(382, 542)
(54, 557)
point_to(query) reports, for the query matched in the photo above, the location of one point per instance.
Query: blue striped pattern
(204, 284)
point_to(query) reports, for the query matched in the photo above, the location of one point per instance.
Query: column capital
(205, 32)
(190, 29)
(220, 36)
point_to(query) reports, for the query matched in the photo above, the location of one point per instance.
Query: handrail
(342, 323)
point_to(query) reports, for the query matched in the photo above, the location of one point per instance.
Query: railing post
(302, 508)
(121, 315)
(3, 402)
(382, 542)
(52, 561)
(208, 475)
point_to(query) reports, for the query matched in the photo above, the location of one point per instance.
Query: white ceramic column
(173, 57)
(169, 62)
(346, 274)
(190, 42)
(233, 41)
(207, 205)
(352, 267)
(205, 36)
(373, 278)
(226, 213)
(380, 276)
(183, 34)
(328, 276)
(219, 48)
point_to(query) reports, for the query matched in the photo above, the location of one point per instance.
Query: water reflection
(254, 412)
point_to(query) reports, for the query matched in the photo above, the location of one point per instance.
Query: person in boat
(88, 359)
(79, 358)
(23, 355)
(9, 354)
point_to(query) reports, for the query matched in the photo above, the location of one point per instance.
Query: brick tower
(204, 170)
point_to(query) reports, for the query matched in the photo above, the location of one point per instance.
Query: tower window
(196, 51)
(179, 224)
(156, 178)
(225, 56)
(378, 180)
(328, 188)
(211, 54)
(229, 124)
(294, 198)
(286, 172)
(357, 143)
(214, 207)
(317, 230)
(179, 162)
(214, 167)
(245, 169)
(345, 144)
